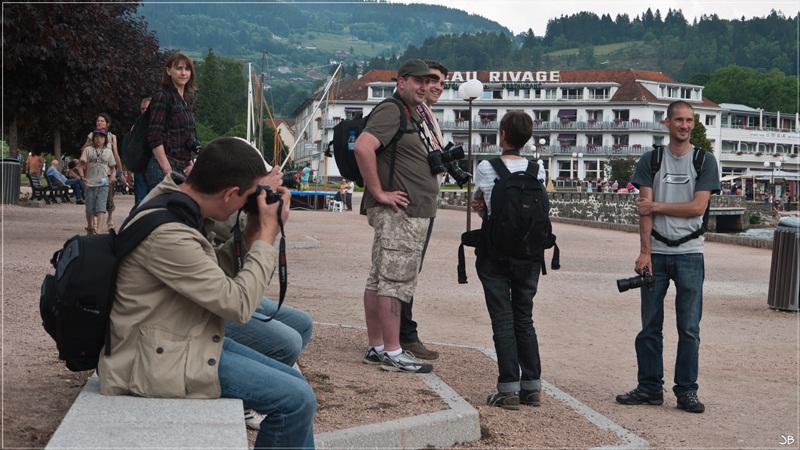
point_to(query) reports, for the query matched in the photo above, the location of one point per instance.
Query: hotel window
(513, 93)
(594, 139)
(711, 120)
(620, 139)
(460, 138)
(672, 91)
(622, 115)
(572, 94)
(526, 93)
(595, 115)
(686, 93)
(599, 93)
(658, 116)
(352, 113)
(382, 92)
(492, 94)
(541, 114)
(550, 94)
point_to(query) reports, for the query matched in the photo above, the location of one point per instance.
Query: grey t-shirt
(412, 174)
(676, 182)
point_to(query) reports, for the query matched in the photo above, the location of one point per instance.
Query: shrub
(755, 219)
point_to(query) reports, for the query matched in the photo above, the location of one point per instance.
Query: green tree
(698, 137)
(620, 169)
(222, 94)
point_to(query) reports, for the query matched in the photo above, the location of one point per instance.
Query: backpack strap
(132, 235)
(401, 130)
(499, 166)
(655, 158)
(698, 159)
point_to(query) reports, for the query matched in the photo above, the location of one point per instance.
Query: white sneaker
(253, 418)
(404, 362)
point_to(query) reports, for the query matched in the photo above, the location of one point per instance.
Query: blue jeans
(77, 187)
(509, 289)
(140, 188)
(687, 272)
(154, 173)
(282, 338)
(271, 388)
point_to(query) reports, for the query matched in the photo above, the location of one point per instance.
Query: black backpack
(136, 152)
(698, 158)
(345, 158)
(76, 301)
(519, 225)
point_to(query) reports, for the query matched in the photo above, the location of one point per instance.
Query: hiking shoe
(253, 418)
(418, 350)
(690, 403)
(505, 400)
(532, 398)
(404, 362)
(638, 396)
(371, 356)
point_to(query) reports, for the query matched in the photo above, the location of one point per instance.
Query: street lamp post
(774, 165)
(469, 91)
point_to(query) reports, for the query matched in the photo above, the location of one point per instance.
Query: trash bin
(9, 172)
(784, 288)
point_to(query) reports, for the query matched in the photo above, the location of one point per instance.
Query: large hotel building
(584, 117)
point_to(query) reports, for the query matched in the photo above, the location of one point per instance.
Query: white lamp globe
(472, 88)
(766, 163)
(542, 141)
(462, 92)
(777, 164)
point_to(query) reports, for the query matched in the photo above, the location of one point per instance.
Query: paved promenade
(749, 372)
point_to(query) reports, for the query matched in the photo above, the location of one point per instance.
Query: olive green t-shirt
(412, 174)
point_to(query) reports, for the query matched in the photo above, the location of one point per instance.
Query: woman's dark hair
(172, 60)
(226, 162)
(518, 127)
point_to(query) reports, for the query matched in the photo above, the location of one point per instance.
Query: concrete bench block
(100, 421)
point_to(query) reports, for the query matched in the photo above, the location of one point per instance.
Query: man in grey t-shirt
(672, 203)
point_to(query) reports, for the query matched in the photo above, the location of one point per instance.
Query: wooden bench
(40, 191)
(59, 191)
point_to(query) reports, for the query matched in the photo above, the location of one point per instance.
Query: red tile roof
(629, 89)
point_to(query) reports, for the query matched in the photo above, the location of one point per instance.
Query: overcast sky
(519, 15)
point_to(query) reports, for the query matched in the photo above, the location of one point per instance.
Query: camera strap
(238, 254)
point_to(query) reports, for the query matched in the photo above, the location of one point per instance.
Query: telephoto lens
(636, 282)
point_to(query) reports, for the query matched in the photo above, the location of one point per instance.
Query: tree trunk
(57, 143)
(13, 139)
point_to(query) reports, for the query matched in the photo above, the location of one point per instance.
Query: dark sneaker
(505, 400)
(638, 396)
(690, 403)
(532, 398)
(418, 350)
(404, 363)
(371, 356)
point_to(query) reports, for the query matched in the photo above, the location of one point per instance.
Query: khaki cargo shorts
(396, 252)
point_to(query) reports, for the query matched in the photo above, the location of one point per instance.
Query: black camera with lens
(251, 205)
(194, 145)
(438, 158)
(290, 180)
(636, 282)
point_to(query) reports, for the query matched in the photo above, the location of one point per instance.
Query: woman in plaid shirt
(172, 131)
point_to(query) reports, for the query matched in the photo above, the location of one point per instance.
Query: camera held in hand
(636, 282)
(438, 158)
(290, 180)
(194, 145)
(251, 206)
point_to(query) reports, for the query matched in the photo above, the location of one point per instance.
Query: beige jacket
(173, 296)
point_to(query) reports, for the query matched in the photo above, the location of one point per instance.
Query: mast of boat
(323, 99)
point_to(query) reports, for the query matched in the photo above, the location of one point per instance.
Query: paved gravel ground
(749, 372)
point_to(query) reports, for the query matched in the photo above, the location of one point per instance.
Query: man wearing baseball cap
(400, 202)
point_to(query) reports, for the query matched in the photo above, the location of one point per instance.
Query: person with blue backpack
(675, 184)
(509, 279)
